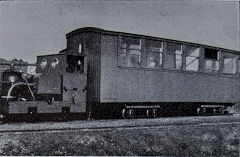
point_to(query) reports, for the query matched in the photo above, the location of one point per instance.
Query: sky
(32, 28)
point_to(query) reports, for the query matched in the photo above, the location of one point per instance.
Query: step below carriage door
(75, 83)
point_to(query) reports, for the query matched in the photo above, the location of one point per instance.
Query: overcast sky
(31, 28)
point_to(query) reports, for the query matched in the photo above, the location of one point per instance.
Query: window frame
(217, 61)
(72, 66)
(128, 49)
(198, 58)
(148, 50)
(167, 60)
(235, 64)
(175, 58)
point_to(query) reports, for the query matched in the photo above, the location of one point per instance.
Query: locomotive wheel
(65, 117)
(222, 111)
(32, 117)
(215, 111)
(4, 120)
(57, 118)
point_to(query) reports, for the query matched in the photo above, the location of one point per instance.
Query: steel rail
(98, 128)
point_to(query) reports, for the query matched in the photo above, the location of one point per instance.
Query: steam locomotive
(102, 73)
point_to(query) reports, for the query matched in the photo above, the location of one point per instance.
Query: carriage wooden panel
(123, 84)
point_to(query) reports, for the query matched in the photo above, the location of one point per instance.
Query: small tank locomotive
(102, 73)
(56, 92)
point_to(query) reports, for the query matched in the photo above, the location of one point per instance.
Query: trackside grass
(198, 140)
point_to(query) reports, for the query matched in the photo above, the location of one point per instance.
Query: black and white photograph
(120, 78)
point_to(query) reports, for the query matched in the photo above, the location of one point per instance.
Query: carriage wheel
(127, 113)
(148, 113)
(200, 111)
(154, 113)
(151, 113)
(65, 117)
(124, 113)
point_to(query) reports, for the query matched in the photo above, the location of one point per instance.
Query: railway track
(117, 124)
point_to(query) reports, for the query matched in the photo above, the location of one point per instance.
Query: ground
(220, 139)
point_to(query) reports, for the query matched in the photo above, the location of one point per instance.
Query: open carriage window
(154, 50)
(75, 64)
(211, 57)
(130, 52)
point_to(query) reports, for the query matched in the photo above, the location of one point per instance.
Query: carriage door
(75, 83)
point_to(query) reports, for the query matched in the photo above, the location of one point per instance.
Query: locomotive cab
(75, 64)
(75, 83)
(53, 70)
(62, 82)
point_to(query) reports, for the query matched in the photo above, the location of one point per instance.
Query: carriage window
(229, 63)
(154, 51)
(130, 54)
(173, 56)
(192, 58)
(178, 51)
(211, 57)
(75, 64)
